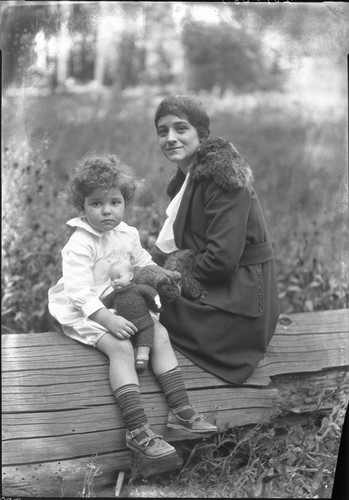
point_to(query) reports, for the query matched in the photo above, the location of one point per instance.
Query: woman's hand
(118, 326)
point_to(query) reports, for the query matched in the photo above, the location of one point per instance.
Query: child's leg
(163, 357)
(121, 360)
(169, 375)
(144, 342)
(124, 382)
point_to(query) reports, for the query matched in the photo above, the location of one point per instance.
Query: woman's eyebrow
(181, 123)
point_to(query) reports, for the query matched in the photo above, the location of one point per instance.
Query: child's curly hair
(105, 172)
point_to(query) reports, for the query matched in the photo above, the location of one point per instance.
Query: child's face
(104, 209)
(120, 277)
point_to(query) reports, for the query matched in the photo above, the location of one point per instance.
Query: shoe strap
(190, 420)
(144, 428)
(182, 408)
(146, 440)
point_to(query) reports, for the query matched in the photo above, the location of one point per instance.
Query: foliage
(227, 57)
(32, 239)
(151, 50)
(217, 55)
(306, 283)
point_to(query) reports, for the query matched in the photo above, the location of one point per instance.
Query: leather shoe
(196, 423)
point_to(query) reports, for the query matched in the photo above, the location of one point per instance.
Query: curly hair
(188, 107)
(122, 262)
(104, 172)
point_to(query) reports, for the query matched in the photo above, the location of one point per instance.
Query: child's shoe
(191, 420)
(150, 445)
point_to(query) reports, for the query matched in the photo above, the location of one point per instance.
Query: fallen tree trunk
(59, 410)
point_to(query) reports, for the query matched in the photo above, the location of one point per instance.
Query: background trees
(202, 46)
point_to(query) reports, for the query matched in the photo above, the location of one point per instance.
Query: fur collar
(215, 159)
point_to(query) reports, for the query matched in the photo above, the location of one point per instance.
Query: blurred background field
(80, 78)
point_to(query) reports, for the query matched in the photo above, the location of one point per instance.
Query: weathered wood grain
(58, 408)
(61, 478)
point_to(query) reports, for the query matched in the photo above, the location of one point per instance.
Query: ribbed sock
(172, 384)
(129, 399)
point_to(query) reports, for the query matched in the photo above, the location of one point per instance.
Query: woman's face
(178, 139)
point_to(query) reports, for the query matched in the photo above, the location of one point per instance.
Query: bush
(33, 234)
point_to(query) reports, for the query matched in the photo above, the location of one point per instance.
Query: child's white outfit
(86, 259)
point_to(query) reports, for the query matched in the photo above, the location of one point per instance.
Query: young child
(100, 189)
(133, 301)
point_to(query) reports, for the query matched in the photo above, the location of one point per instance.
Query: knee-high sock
(172, 384)
(129, 399)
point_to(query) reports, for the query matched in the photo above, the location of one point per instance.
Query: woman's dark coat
(225, 331)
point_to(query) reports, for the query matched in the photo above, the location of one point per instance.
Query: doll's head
(121, 274)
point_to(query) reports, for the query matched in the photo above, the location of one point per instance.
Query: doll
(133, 301)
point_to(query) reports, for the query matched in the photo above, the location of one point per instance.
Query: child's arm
(140, 256)
(116, 325)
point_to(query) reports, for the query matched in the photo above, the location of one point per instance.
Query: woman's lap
(228, 345)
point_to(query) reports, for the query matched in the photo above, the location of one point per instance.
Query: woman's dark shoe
(194, 423)
(150, 445)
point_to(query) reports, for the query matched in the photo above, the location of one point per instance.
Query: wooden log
(59, 411)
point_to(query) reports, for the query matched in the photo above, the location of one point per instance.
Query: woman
(216, 214)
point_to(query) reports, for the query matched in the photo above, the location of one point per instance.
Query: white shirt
(166, 241)
(86, 259)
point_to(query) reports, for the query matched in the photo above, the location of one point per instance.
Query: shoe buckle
(146, 441)
(134, 433)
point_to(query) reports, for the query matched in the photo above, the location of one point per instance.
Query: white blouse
(165, 240)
